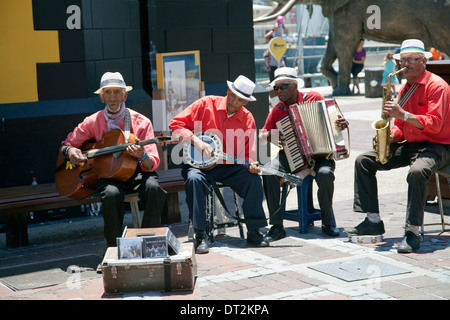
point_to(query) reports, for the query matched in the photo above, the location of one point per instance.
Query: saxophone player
(419, 138)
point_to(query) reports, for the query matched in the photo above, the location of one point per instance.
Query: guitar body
(80, 181)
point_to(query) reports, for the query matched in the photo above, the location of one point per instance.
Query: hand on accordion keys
(341, 123)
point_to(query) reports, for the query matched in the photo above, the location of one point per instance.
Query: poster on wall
(178, 74)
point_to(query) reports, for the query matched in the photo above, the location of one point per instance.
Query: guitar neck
(235, 160)
(246, 163)
(94, 153)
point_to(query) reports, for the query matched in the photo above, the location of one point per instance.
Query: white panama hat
(286, 73)
(112, 79)
(242, 87)
(412, 45)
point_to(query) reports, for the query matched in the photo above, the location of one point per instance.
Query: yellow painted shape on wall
(21, 47)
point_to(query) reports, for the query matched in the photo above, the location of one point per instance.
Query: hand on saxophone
(393, 110)
(393, 138)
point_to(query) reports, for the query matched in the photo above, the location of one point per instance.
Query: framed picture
(178, 74)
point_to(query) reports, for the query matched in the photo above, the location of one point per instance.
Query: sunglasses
(281, 86)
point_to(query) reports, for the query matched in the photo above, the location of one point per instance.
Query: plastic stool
(305, 213)
(445, 172)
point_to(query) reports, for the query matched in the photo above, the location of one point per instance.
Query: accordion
(309, 131)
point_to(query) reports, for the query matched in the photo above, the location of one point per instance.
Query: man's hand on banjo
(254, 168)
(206, 150)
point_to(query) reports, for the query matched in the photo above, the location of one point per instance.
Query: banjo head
(193, 157)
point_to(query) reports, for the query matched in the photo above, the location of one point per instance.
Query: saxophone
(381, 141)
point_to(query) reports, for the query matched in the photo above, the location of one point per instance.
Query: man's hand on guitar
(136, 151)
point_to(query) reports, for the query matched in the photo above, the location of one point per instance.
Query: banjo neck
(290, 177)
(195, 159)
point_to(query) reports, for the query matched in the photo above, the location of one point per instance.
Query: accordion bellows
(309, 131)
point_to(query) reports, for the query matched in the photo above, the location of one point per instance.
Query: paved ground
(299, 267)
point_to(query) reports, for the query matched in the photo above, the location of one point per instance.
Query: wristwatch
(406, 116)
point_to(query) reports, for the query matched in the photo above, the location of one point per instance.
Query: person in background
(270, 62)
(436, 54)
(279, 27)
(389, 67)
(358, 64)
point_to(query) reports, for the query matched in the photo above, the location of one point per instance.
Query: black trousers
(247, 185)
(423, 158)
(325, 181)
(112, 194)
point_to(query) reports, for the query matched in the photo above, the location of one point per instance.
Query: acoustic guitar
(106, 158)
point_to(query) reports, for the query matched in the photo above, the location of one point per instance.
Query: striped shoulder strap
(405, 96)
(127, 125)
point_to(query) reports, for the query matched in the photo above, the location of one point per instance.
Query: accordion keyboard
(291, 147)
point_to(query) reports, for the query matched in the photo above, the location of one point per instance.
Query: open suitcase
(176, 272)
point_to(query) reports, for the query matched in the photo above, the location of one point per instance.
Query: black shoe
(201, 243)
(330, 231)
(275, 233)
(366, 228)
(256, 238)
(410, 243)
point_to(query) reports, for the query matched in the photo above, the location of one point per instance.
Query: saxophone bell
(381, 140)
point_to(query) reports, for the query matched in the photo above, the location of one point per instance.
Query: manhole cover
(359, 269)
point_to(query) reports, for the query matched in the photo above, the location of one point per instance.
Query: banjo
(194, 157)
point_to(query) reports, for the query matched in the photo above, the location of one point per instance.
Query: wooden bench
(17, 201)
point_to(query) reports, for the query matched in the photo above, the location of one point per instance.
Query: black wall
(221, 29)
(109, 40)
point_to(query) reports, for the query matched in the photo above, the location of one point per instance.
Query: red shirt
(210, 114)
(430, 103)
(277, 113)
(95, 127)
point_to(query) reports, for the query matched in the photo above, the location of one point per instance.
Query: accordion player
(309, 130)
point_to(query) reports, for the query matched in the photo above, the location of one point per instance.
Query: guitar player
(113, 93)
